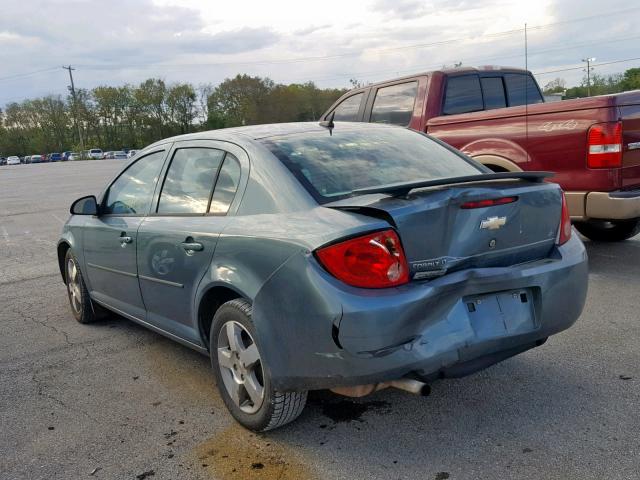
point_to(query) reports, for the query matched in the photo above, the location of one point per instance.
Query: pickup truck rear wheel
(241, 373)
(609, 230)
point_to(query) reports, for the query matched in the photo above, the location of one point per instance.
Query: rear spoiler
(403, 189)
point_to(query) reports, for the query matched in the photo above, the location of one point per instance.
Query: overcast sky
(327, 41)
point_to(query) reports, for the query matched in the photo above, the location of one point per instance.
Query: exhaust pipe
(412, 386)
(407, 384)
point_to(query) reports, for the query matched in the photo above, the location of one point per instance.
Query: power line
(546, 72)
(27, 74)
(382, 51)
(422, 67)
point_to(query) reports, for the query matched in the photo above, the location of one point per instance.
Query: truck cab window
(493, 93)
(521, 89)
(394, 104)
(347, 110)
(463, 94)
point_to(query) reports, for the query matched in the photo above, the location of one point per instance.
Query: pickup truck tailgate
(629, 110)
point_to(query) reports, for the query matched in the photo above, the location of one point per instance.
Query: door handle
(192, 246)
(124, 239)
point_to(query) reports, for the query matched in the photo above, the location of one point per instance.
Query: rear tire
(609, 230)
(242, 378)
(83, 309)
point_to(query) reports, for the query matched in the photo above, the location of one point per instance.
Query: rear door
(110, 239)
(178, 239)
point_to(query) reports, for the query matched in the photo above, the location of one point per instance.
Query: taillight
(604, 145)
(489, 202)
(564, 233)
(375, 260)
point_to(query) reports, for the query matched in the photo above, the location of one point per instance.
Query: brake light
(375, 260)
(488, 203)
(564, 233)
(604, 144)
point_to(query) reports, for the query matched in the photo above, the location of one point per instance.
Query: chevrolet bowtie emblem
(493, 223)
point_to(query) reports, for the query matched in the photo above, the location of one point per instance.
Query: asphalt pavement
(115, 401)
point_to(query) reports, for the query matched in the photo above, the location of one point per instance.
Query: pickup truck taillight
(374, 260)
(564, 233)
(604, 145)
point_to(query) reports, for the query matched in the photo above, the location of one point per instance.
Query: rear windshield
(95, 150)
(333, 166)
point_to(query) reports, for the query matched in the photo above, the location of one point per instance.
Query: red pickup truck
(498, 116)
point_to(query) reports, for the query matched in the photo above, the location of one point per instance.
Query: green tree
(181, 106)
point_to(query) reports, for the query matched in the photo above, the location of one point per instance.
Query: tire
(609, 231)
(233, 332)
(83, 309)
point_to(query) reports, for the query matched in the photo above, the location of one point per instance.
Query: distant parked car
(106, 155)
(73, 156)
(65, 156)
(55, 157)
(35, 159)
(13, 160)
(115, 155)
(93, 154)
(131, 153)
(3, 161)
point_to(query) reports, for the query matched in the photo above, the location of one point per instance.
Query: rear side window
(463, 94)
(226, 186)
(493, 93)
(189, 182)
(394, 104)
(347, 110)
(521, 89)
(132, 191)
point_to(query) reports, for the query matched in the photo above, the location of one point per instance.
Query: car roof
(257, 132)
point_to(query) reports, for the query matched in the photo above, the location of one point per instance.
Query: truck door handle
(192, 246)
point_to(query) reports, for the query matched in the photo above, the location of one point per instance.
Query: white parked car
(13, 160)
(74, 156)
(95, 154)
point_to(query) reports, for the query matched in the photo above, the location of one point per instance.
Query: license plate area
(499, 314)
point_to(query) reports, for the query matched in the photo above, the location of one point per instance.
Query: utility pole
(72, 87)
(589, 60)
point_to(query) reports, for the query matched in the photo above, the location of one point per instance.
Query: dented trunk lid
(440, 236)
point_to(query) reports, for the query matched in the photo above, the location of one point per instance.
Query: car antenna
(329, 122)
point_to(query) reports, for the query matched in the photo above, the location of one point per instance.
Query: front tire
(83, 309)
(609, 230)
(241, 375)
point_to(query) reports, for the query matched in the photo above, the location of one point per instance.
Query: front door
(176, 242)
(110, 238)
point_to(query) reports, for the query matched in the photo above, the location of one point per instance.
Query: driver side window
(132, 192)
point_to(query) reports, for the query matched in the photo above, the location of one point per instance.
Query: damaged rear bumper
(316, 332)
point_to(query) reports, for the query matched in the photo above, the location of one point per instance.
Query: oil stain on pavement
(237, 454)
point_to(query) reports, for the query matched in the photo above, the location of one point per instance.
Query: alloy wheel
(73, 286)
(241, 367)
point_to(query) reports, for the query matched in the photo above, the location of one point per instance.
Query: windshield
(333, 166)
(95, 151)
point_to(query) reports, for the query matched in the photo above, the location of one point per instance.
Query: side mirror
(85, 206)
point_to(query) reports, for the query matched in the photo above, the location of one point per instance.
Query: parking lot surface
(115, 401)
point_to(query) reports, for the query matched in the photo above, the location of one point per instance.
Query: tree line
(133, 116)
(599, 84)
